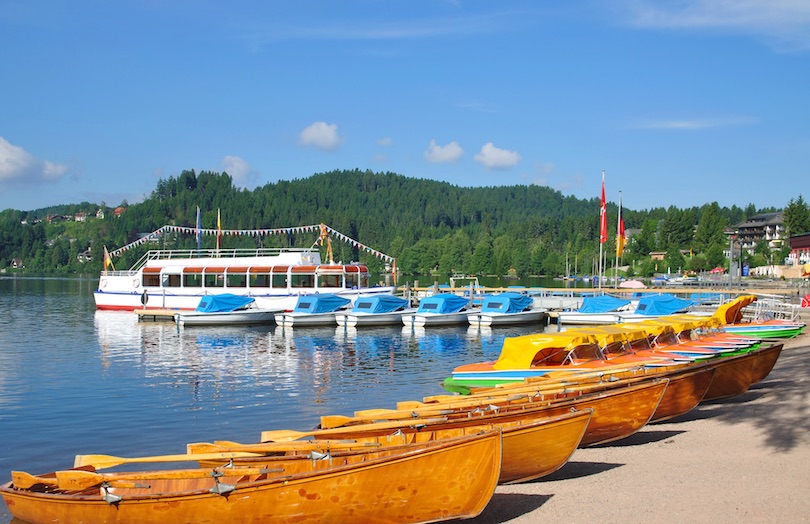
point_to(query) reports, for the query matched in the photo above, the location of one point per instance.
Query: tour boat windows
(236, 277)
(259, 280)
(280, 280)
(192, 277)
(299, 280)
(356, 277)
(150, 277)
(330, 280)
(214, 277)
(302, 277)
(192, 280)
(259, 276)
(170, 280)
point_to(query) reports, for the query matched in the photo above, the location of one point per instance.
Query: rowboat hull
(734, 376)
(619, 409)
(684, 393)
(622, 412)
(448, 479)
(536, 441)
(766, 360)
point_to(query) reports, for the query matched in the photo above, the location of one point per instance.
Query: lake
(74, 380)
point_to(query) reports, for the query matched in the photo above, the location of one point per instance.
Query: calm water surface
(76, 380)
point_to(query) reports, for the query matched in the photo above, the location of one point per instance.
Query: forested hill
(425, 224)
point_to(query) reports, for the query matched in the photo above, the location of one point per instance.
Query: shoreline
(741, 459)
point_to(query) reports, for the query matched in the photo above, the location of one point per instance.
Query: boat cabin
(291, 278)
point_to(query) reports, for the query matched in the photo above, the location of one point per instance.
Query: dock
(156, 315)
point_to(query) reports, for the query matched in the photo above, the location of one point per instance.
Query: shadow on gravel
(777, 406)
(575, 470)
(640, 438)
(507, 506)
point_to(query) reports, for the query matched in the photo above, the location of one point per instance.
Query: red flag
(603, 229)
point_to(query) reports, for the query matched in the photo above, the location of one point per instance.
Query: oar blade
(24, 480)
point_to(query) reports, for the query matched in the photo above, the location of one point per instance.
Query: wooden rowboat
(618, 411)
(426, 482)
(534, 444)
(733, 377)
(766, 360)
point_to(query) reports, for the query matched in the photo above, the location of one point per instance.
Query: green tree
(797, 217)
(710, 229)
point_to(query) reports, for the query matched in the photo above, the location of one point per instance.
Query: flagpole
(618, 239)
(602, 229)
(219, 231)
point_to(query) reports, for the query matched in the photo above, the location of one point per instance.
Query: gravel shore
(738, 460)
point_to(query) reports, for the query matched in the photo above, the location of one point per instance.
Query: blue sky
(680, 102)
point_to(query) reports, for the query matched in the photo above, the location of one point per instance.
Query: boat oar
(23, 480)
(109, 461)
(378, 415)
(79, 479)
(283, 435)
(277, 447)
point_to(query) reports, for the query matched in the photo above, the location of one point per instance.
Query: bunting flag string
(154, 235)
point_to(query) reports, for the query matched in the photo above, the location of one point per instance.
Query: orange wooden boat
(766, 360)
(619, 409)
(734, 376)
(688, 381)
(685, 391)
(534, 443)
(426, 482)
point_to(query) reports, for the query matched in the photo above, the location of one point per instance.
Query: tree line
(426, 225)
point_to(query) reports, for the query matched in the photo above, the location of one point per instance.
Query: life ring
(103, 283)
(136, 283)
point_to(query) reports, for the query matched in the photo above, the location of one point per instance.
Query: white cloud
(385, 141)
(449, 153)
(496, 158)
(240, 171)
(321, 135)
(785, 23)
(19, 166)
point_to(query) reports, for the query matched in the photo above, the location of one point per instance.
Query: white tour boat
(274, 277)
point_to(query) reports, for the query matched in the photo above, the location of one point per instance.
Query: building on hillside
(81, 216)
(85, 256)
(120, 210)
(799, 250)
(765, 227)
(17, 263)
(100, 214)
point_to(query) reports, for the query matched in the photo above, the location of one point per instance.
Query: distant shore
(743, 459)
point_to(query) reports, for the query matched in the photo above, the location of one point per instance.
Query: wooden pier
(156, 315)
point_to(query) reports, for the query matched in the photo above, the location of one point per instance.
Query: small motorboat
(444, 309)
(506, 309)
(226, 310)
(378, 310)
(314, 310)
